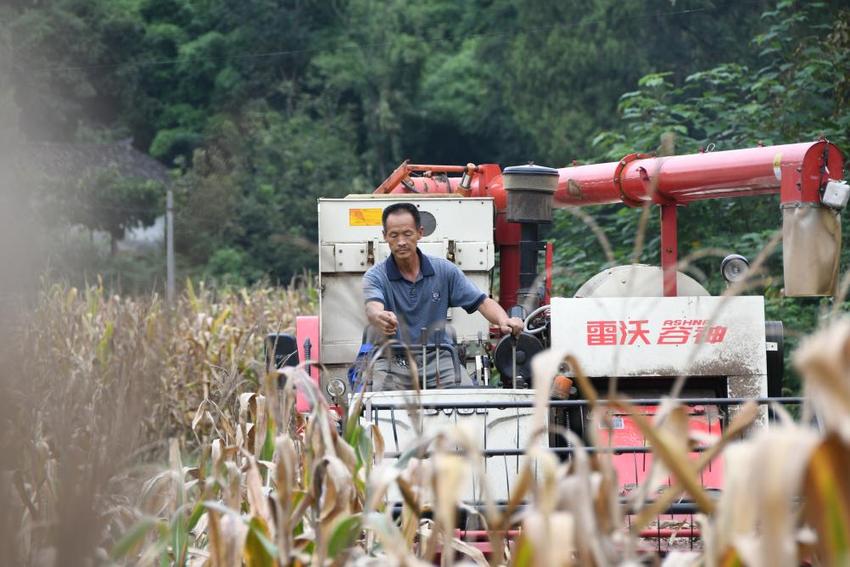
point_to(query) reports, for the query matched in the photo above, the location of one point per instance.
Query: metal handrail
(583, 403)
(486, 453)
(680, 507)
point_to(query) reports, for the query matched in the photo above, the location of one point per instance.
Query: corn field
(137, 434)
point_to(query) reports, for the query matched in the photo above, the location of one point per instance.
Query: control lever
(422, 340)
(482, 361)
(479, 370)
(513, 359)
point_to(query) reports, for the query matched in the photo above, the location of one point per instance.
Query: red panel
(507, 238)
(307, 326)
(633, 469)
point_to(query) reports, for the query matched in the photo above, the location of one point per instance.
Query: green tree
(263, 106)
(254, 186)
(64, 57)
(569, 58)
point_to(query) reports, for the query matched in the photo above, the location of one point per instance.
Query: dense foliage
(260, 107)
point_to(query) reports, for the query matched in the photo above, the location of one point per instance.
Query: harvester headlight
(734, 268)
(335, 388)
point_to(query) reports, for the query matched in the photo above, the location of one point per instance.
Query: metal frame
(663, 536)
(374, 408)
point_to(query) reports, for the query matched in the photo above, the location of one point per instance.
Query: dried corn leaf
(682, 559)
(756, 513)
(544, 367)
(827, 500)
(380, 480)
(472, 552)
(227, 534)
(577, 495)
(258, 504)
(449, 475)
(823, 359)
(338, 495)
(551, 537)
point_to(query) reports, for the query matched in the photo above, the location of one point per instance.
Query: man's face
(402, 235)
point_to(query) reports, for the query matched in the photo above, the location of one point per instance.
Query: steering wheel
(527, 323)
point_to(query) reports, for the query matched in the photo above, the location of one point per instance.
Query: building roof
(81, 160)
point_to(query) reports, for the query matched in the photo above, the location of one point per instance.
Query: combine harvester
(646, 326)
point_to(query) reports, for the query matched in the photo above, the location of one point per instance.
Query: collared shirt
(425, 302)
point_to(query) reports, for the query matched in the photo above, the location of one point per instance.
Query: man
(410, 291)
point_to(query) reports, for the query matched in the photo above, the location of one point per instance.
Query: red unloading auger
(806, 176)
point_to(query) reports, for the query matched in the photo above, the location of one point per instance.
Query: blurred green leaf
(259, 549)
(344, 534)
(133, 539)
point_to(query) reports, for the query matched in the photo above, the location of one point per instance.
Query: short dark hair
(402, 208)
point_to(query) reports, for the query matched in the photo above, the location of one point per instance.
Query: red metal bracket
(618, 178)
(669, 249)
(397, 176)
(401, 175)
(651, 188)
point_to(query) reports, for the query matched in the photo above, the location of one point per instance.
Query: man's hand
(494, 313)
(387, 322)
(514, 326)
(381, 318)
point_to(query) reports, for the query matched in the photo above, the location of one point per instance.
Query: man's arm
(467, 295)
(494, 313)
(376, 313)
(384, 320)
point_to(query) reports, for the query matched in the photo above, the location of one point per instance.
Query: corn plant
(138, 434)
(94, 386)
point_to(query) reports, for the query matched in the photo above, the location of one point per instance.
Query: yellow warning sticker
(364, 217)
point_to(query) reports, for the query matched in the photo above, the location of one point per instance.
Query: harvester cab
(651, 331)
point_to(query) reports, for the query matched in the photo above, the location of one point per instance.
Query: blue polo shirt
(425, 302)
